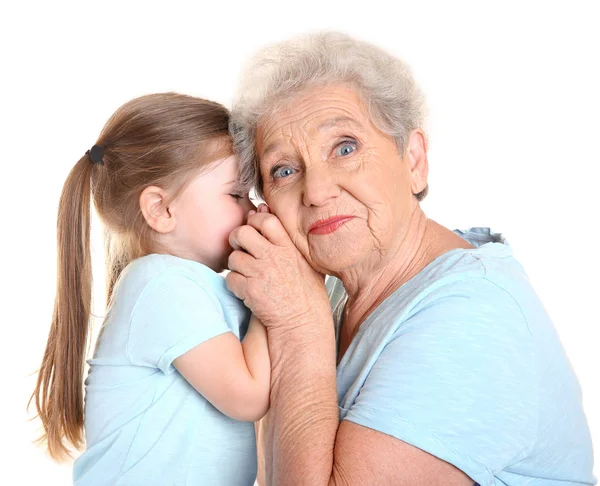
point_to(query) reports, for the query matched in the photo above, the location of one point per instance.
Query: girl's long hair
(159, 140)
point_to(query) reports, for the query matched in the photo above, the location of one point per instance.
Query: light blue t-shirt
(144, 423)
(463, 362)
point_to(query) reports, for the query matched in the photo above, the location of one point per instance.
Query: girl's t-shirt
(144, 423)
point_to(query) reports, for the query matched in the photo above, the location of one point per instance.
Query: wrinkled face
(338, 184)
(207, 211)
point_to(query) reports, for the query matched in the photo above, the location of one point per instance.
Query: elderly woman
(439, 365)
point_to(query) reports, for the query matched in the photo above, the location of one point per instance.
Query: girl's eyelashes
(236, 196)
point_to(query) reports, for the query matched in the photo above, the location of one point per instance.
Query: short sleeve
(173, 314)
(457, 380)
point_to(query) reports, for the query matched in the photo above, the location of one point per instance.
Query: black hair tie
(96, 154)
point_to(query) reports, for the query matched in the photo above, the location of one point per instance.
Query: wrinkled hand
(270, 275)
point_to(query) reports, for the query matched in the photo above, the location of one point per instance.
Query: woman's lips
(326, 226)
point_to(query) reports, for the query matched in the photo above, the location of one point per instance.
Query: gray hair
(280, 71)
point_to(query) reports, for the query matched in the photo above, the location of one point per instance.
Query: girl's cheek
(241, 215)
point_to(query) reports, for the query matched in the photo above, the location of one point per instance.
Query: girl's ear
(156, 214)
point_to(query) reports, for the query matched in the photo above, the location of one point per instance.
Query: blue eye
(345, 148)
(282, 172)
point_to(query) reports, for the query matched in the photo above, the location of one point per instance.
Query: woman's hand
(271, 276)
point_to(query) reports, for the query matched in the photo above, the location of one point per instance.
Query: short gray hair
(280, 71)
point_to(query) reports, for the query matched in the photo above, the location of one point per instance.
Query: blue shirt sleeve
(173, 314)
(457, 380)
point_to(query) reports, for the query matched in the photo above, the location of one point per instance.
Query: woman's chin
(333, 260)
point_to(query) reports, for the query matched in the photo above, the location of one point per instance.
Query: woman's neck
(419, 243)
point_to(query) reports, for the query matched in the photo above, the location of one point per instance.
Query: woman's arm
(303, 442)
(302, 427)
(233, 376)
(306, 445)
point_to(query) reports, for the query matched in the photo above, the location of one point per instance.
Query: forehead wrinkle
(278, 145)
(277, 123)
(335, 117)
(304, 112)
(278, 120)
(307, 117)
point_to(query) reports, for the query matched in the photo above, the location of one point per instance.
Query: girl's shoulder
(156, 274)
(167, 268)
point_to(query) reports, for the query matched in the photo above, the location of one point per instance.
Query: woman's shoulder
(478, 282)
(480, 270)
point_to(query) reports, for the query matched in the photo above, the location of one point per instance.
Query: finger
(250, 240)
(270, 227)
(242, 263)
(263, 208)
(236, 283)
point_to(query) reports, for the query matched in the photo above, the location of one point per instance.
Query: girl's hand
(271, 276)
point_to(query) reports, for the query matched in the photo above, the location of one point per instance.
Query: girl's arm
(233, 376)
(260, 428)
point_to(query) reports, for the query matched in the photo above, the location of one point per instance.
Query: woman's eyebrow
(340, 121)
(273, 147)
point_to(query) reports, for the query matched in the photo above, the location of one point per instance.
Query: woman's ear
(157, 215)
(417, 159)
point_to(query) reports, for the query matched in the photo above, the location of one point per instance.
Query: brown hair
(156, 140)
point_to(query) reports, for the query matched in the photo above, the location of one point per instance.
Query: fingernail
(251, 212)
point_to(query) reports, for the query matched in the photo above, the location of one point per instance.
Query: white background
(513, 90)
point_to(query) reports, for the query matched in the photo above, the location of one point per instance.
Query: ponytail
(162, 140)
(58, 394)
(116, 256)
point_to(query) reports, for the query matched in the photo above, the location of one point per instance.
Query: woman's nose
(319, 187)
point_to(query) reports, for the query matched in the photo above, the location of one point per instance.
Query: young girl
(171, 392)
